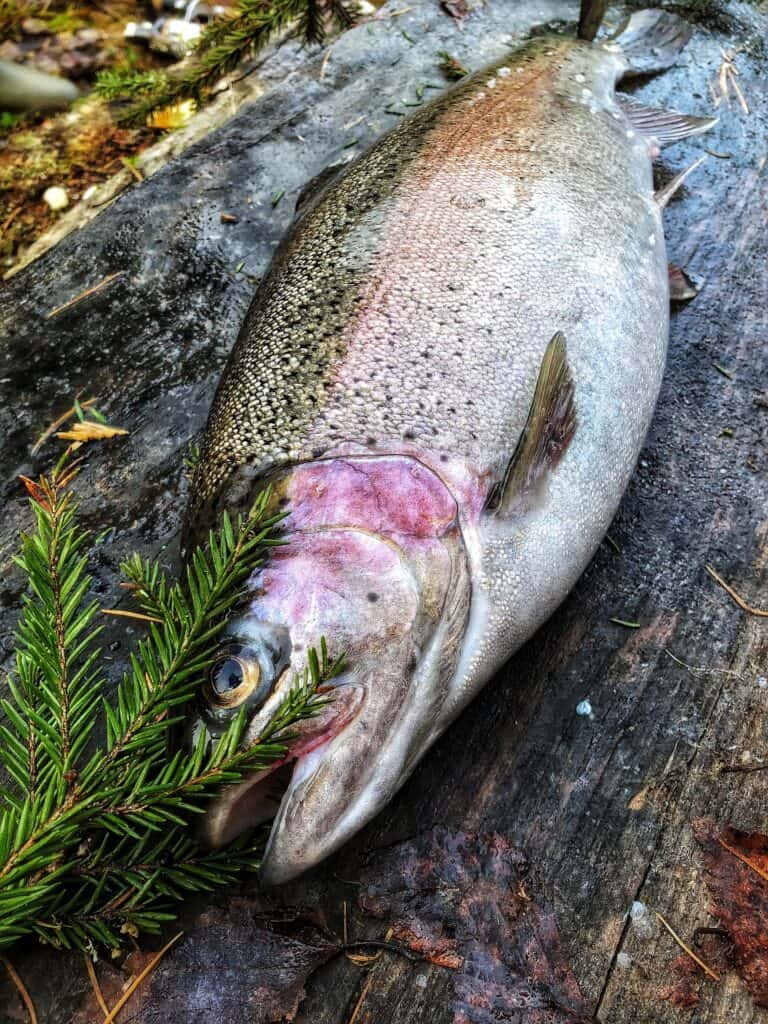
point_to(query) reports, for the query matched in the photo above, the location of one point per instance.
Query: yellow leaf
(172, 117)
(86, 430)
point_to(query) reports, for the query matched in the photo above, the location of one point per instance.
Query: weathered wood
(602, 806)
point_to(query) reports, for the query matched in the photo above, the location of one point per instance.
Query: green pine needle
(98, 845)
(221, 47)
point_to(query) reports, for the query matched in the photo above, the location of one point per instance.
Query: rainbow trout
(446, 377)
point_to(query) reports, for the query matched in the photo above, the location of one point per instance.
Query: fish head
(374, 563)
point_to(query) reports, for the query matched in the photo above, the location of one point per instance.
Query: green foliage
(96, 844)
(221, 47)
(451, 67)
(123, 83)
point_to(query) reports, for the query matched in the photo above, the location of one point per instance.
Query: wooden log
(591, 812)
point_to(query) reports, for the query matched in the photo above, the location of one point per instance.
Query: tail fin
(590, 18)
(651, 40)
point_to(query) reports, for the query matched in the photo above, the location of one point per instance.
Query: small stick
(762, 612)
(359, 1002)
(694, 670)
(740, 95)
(83, 295)
(10, 218)
(721, 933)
(59, 422)
(130, 615)
(95, 985)
(392, 947)
(130, 167)
(27, 999)
(687, 949)
(110, 1017)
(743, 768)
(744, 860)
(346, 926)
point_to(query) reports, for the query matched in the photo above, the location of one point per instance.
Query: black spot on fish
(372, 597)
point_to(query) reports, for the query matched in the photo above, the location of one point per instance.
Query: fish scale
(437, 243)
(446, 376)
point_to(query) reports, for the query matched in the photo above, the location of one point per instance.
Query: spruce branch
(96, 846)
(220, 49)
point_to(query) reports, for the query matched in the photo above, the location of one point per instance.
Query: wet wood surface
(600, 806)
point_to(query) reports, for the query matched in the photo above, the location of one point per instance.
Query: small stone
(624, 961)
(638, 910)
(584, 708)
(56, 197)
(10, 50)
(762, 682)
(87, 36)
(34, 27)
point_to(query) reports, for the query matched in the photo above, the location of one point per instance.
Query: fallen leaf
(458, 9)
(637, 803)
(87, 430)
(171, 117)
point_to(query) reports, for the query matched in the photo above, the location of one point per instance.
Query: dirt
(75, 148)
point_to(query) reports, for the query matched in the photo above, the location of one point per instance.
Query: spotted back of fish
(410, 306)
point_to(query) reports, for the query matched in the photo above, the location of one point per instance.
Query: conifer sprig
(97, 845)
(221, 47)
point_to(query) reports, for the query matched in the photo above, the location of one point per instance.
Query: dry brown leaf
(88, 430)
(171, 117)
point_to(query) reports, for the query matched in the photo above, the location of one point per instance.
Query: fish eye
(234, 677)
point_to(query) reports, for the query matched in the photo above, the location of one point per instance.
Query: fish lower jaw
(257, 799)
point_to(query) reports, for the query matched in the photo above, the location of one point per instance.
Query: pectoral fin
(547, 433)
(664, 127)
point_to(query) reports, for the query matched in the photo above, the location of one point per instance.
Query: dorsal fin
(547, 433)
(651, 40)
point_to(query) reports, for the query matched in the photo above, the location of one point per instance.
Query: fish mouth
(264, 795)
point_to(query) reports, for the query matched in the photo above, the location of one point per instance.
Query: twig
(95, 985)
(10, 218)
(762, 612)
(109, 1019)
(130, 615)
(700, 670)
(687, 949)
(83, 295)
(743, 859)
(130, 167)
(743, 768)
(21, 988)
(721, 933)
(392, 947)
(49, 431)
(360, 1001)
